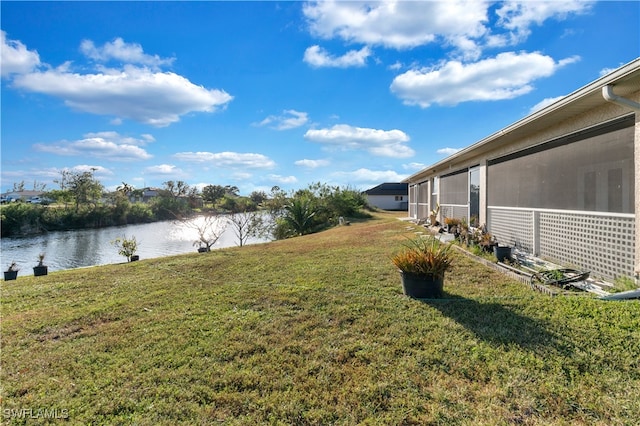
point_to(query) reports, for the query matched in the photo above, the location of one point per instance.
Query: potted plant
(501, 252)
(127, 247)
(12, 272)
(487, 241)
(452, 224)
(40, 268)
(422, 264)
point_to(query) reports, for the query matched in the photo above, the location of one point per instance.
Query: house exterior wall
(606, 243)
(389, 202)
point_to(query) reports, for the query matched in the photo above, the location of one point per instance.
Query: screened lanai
(560, 184)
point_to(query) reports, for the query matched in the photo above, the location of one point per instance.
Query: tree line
(82, 202)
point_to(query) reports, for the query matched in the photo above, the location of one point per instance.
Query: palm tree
(125, 188)
(299, 216)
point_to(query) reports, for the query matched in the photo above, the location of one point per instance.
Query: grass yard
(311, 331)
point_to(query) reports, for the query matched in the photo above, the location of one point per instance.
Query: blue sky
(258, 94)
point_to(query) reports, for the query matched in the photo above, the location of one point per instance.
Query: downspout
(607, 94)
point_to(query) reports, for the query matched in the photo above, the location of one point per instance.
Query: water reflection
(88, 247)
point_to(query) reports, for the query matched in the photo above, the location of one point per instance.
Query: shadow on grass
(496, 323)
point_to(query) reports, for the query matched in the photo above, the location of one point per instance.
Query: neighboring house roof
(389, 189)
(624, 81)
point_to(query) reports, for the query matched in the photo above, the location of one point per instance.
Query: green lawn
(311, 330)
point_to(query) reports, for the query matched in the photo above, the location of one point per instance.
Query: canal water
(90, 247)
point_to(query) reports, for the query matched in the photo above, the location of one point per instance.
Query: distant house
(389, 196)
(561, 184)
(21, 195)
(149, 193)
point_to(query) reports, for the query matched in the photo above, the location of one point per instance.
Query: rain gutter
(607, 94)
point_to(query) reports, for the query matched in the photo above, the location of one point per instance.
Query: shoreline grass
(311, 330)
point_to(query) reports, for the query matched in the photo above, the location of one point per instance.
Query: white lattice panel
(512, 227)
(455, 211)
(603, 245)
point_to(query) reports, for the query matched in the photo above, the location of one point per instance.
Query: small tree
(83, 186)
(127, 247)
(212, 193)
(209, 228)
(246, 225)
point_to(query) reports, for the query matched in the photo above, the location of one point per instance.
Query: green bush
(20, 217)
(140, 213)
(169, 208)
(316, 208)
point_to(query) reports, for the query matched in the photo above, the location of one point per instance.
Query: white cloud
(396, 66)
(163, 170)
(119, 139)
(137, 91)
(106, 145)
(414, 166)
(128, 53)
(154, 98)
(467, 26)
(290, 119)
(397, 24)
(312, 164)
(15, 58)
(283, 179)
(48, 175)
(544, 103)
(519, 16)
(447, 151)
(370, 176)
(318, 57)
(383, 143)
(228, 159)
(98, 171)
(506, 76)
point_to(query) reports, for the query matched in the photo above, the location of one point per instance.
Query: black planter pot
(422, 286)
(488, 247)
(40, 270)
(502, 253)
(10, 275)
